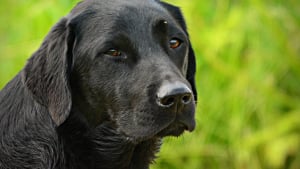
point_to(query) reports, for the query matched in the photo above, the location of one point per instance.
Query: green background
(248, 78)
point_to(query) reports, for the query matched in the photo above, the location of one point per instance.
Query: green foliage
(248, 77)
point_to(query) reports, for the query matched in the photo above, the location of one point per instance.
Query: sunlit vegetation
(248, 78)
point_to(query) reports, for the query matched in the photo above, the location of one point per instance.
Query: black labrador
(110, 80)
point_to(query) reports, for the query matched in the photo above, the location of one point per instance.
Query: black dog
(109, 81)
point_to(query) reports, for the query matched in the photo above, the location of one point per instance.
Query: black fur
(74, 106)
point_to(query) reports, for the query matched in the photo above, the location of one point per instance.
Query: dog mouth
(141, 126)
(174, 129)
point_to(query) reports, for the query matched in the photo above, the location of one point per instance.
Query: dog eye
(175, 43)
(113, 52)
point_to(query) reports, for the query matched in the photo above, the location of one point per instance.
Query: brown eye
(174, 43)
(113, 52)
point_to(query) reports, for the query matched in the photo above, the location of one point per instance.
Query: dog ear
(46, 74)
(191, 70)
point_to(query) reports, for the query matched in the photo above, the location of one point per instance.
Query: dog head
(129, 62)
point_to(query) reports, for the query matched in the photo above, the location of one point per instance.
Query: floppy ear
(47, 72)
(191, 70)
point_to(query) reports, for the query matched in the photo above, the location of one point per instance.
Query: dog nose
(174, 95)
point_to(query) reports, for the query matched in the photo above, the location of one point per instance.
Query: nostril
(167, 101)
(186, 98)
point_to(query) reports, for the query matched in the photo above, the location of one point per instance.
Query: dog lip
(174, 129)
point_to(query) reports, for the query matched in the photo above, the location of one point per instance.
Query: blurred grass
(248, 77)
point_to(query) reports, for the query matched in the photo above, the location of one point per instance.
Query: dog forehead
(118, 9)
(117, 3)
(101, 17)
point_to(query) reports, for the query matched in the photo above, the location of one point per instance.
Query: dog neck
(104, 147)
